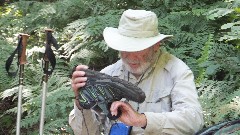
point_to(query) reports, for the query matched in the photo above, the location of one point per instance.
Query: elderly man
(171, 105)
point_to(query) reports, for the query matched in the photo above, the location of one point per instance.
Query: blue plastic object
(120, 129)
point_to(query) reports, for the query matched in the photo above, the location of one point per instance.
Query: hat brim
(129, 44)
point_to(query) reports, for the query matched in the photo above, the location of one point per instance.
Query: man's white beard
(140, 70)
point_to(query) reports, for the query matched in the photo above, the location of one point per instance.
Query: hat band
(137, 34)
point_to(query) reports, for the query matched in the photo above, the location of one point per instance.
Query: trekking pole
(48, 58)
(22, 61)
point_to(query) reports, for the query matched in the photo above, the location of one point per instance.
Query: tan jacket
(171, 105)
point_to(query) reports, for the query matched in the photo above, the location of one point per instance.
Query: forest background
(206, 37)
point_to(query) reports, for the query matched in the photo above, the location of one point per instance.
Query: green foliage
(204, 57)
(5, 82)
(206, 37)
(220, 101)
(59, 101)
(5, 51)
(220, 64)
(86, 40)
(231, 29)
(188, 37)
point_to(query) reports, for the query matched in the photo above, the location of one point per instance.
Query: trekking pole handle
(46, 31)
(45, 58)
(24, 45)
(22, 59)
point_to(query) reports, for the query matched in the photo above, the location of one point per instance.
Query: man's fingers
(79, 80)
(77, 74)
(78, 85)
(115, 105)
(79, 67)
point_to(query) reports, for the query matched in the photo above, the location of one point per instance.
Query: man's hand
(129, 116)
(78, 81)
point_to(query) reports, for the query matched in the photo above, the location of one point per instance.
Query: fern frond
(215, 95)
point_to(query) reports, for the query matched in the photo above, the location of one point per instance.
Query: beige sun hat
(137, 30)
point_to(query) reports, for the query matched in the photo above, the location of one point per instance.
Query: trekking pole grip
(24, 45)
(22, 59)
(47, 31)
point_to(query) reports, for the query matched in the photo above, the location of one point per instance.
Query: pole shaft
(19, 111)
(44, 93)
(20, 88)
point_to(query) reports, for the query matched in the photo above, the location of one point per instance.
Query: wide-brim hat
(137, 30)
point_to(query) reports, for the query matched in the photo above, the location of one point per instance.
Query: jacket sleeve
(83, 122)
(186, 116)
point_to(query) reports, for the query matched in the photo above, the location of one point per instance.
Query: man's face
(138, 62)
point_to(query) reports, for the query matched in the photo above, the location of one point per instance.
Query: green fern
(5, 51)
(218, 101)
(204, 57)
